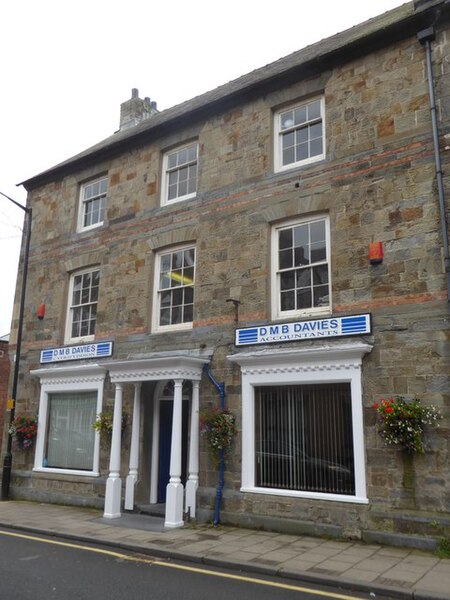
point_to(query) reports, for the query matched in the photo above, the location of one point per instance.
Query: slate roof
(395, 24)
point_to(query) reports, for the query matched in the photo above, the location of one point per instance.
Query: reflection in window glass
(176, 287)
(304, 438)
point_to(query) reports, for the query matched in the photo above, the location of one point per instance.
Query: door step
(153, 510)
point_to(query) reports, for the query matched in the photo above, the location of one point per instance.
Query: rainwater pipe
(220, 387)
(425, 37)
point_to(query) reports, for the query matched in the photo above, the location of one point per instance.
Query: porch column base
(112, 498)
(191, 495)
(174, 505)
(129, 491)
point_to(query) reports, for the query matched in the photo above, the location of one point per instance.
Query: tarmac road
(43, 568)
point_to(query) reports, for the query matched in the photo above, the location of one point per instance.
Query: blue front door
(165, 441)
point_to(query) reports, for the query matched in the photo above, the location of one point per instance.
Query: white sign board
(304, 330)
(98, 350)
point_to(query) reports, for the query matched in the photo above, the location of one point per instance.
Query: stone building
(233, 231)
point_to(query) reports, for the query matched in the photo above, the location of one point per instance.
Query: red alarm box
(375, 253)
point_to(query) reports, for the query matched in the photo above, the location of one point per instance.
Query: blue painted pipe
(220, 387)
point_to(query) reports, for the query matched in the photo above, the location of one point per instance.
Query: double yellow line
(149, 561)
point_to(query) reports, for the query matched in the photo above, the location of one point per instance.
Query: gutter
(425, 37)
(220, 387)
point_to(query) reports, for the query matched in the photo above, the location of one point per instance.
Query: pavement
(369, 570)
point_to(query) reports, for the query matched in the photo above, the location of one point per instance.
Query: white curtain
(70, 436)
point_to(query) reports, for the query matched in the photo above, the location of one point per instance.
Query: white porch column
(134, 449)
(114, 483)
(192, 483)
(174, 494)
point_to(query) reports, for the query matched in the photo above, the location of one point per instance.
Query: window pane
(293, 273)
(318, 251)
(165, 262)
(316, 147)
(301, 235)
(94, 202)
(301, 256)
(165, 299)
(300, 115)
(287, 280)
(321, 296)
(182, 188)
(303, 277)
(288, 156)
(188, 295)
(314, 110)
(285, 238)
(304, 299)
(179, 279)
(83, 309)
(285, 259)
(182, 172)
(177, 296)
(177, 315)
(188, 276)
(164, 318)
(315, 131)
(189, 257)
(177, 259)
(301, 135)
(70, 438)
(304, 438)
(301, 152)
(172, 160)
(288, 140)
(320, 275)
(188, 313)
(287, 300)
(192, 152)
(286, 119)
(317, 229)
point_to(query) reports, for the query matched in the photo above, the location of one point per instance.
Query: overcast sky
(67, 66)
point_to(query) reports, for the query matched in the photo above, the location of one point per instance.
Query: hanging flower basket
(401, 422)
(24, 430)
(218, 426)
(104, 424)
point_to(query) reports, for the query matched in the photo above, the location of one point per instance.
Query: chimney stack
(135, 110)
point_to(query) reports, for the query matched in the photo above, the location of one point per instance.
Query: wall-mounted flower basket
(24, 430)
(401, 422)
(104, 425)
(218, 426)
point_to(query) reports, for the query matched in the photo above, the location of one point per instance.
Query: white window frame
(277, 313)
(166, 171)
(302, 366)
(278, 135)
(84, 201)
(89, 378)
(156, 327)
(69, 315)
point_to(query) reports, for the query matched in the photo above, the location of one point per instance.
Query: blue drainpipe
(220, 387)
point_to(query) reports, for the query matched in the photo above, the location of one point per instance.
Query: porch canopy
(156, 367)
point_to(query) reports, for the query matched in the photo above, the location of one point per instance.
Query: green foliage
(218, 427)
(443, 549)
(104, 423)
(401, 422)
